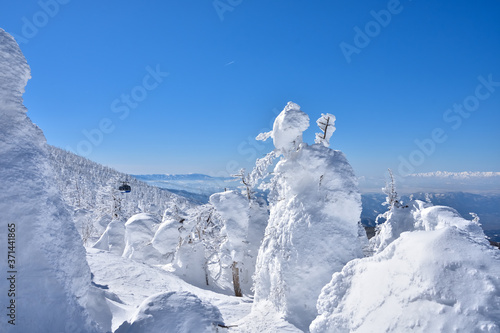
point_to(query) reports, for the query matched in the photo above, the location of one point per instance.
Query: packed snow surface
(127, 284)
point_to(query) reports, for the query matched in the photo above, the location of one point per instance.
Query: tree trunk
(236, 279)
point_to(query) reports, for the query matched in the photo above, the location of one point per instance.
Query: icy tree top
(326, 124)
(287, 128)
(14, 70)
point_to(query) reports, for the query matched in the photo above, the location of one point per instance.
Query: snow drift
(173, 312)
(314, 219)
(52, 282)
(438, 275)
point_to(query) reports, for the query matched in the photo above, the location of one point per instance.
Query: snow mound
(442, 277)
(176, 312)
(50, 278)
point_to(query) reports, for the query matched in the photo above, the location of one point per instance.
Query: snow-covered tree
(243, 177)
(52, 290)
(392, 198)
(260, 171)
(396, 219)
(198, 257)
(243, 223)
(91, 190)
(314, 219)
(326, 124)
(168, 238)
(439, 276)
(287, 129)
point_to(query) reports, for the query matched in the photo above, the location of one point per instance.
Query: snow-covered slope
(128, 283)
(91, 190)
(49, 279)
(433, 272)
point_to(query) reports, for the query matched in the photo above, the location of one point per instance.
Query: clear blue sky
(230, 69)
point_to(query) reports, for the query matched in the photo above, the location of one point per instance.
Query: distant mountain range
(458, 175)
(199, 187)
(180, 177)
(194, 186)
(439, 182)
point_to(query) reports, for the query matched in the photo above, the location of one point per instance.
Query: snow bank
(313, 228)
(176, 312)
(52, 279)
(441, 277)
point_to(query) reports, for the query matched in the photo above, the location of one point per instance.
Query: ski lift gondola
(125, 188)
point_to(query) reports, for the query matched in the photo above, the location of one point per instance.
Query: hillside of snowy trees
(88, 258)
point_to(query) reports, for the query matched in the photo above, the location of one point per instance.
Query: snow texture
(52, 282)
(442, 276)
(313, 227)
(175, 312)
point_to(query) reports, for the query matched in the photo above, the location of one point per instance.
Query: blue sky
(390, 71)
